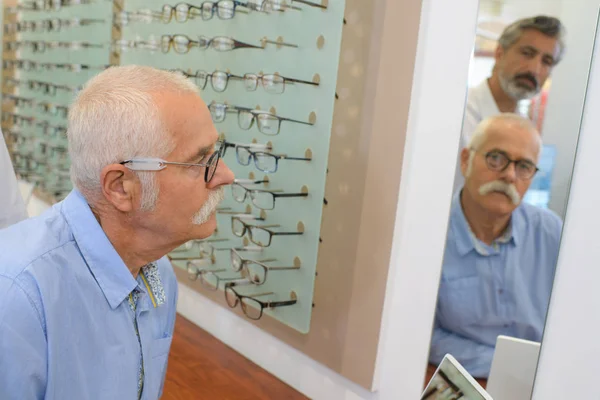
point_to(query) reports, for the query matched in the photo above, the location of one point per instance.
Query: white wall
(565, 102)
(570, 350)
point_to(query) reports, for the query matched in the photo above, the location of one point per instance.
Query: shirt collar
(107, 267)
(487, 103)
(151, 278)
(465, 238)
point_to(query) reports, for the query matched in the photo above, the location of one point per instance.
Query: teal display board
(311, 38)
(48, 54)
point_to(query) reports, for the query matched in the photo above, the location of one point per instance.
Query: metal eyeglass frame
(157, 164)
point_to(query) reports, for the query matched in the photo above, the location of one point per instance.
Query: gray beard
(514, 91)
(214, 198)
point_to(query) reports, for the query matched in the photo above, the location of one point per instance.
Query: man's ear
(464, 161)
(120, 187)
(498, 53)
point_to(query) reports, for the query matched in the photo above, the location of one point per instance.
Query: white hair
(481, 131)
(115, 118)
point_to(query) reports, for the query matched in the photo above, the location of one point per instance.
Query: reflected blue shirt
(67, 329)
(498, 289)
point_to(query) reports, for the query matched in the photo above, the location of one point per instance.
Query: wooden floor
(201, 367)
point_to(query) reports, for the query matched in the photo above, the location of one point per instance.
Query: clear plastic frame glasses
(255, 270)
(182, 44)
(266, 122)
(271, 83)
(209, 278)
(204, 246)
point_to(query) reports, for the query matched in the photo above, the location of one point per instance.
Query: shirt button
(506, 325)
(500, 291)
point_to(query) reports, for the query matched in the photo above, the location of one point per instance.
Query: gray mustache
(498, 186)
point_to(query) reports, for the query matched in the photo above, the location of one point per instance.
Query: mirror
(527, 84)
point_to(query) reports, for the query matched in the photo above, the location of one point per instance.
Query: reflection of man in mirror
(500, 253)
(527, 51)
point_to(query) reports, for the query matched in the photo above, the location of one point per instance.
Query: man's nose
(535, 67)
(223, 176)
(509, 174)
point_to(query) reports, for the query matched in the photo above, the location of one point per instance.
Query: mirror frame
(419, 236)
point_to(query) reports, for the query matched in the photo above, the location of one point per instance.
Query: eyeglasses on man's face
(157, 164)
(499, 161)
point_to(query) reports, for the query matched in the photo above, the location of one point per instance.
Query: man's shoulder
(28, 241)
(541, 220)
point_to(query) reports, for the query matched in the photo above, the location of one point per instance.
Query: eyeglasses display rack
(50, 49)
(268, 72)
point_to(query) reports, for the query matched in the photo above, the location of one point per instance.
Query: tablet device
(452, 382)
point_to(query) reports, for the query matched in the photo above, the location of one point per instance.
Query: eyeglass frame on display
(276, 157)
(243, 268)
(274, 194)
(248, 229)
(256, 115)
(263, 305)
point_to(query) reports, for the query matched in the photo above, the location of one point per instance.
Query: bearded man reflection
(500, 253)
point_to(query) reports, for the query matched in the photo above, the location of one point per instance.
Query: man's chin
(499, 203)
(206, 229)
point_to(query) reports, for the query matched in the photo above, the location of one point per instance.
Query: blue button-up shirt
(498, 289)
(67, 326)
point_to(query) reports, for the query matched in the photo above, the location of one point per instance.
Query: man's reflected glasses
(499, 161)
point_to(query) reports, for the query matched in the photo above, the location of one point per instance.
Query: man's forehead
(539, 41)
(511, 138)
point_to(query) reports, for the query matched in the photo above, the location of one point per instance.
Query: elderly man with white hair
(500, 253)
(87, 296)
